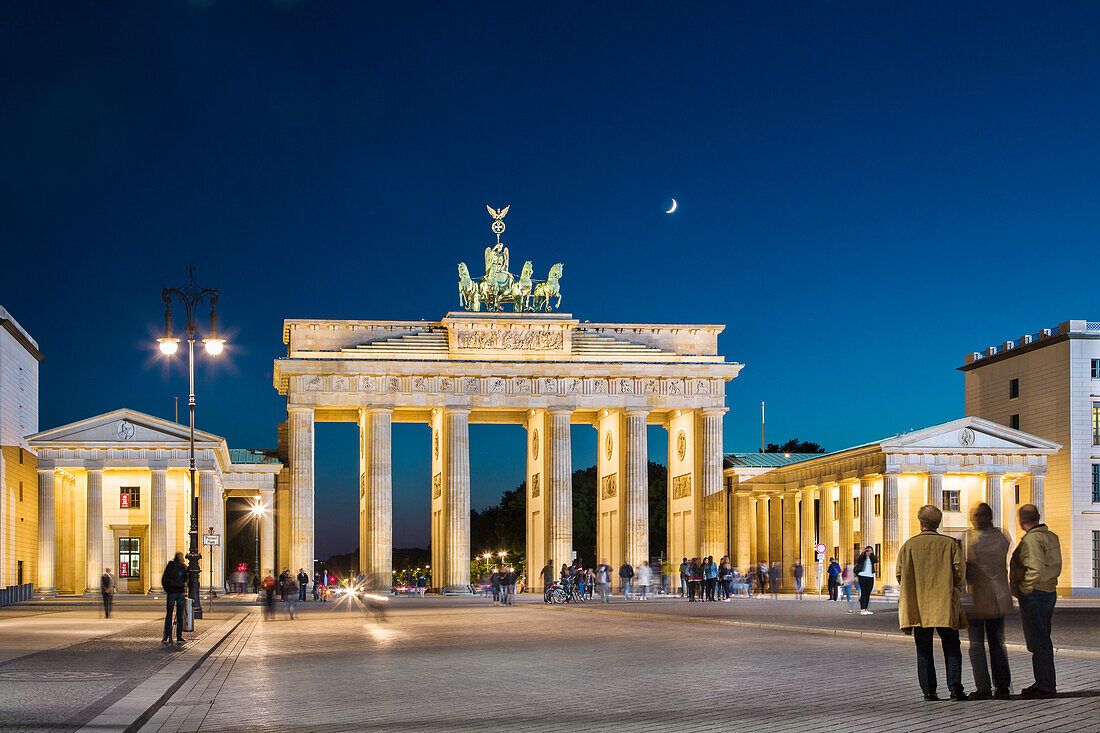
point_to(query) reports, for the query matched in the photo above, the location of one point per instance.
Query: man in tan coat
(988, 602)
(1033, 575)
(930, 573)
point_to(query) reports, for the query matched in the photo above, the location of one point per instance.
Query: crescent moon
(673, 207)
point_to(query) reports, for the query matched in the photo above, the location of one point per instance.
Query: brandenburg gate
(543, 370)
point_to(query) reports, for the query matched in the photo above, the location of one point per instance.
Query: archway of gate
(545, 372)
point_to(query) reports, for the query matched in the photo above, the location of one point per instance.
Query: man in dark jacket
(174, 582)
(626, 574)
(303, 584)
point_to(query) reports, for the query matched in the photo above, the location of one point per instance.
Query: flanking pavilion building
(870, 494)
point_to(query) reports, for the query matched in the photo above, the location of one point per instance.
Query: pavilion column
(457, 476)
(376, 548)
(158, 527)
(806, 525)
(713, 497)
(93, 556)
(847, 524)
(209, 499)
(761, 529)
(790, 514)
(636, 489)
(935, 489)
(825, 531)
(891, 537)
(1037, 489)
(867, 511)
(742, 529)
(559, 488)
(47, 583)
(775, 528)
(267, 533)
(301, 487)
(994, 493)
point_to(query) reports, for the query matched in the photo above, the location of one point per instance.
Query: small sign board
(210, 539)
(124, 570)
(820, 548)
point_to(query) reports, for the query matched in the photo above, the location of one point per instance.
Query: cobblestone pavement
(76, 664)
(462, 665)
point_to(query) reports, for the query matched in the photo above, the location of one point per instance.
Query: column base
(45, 592)
(92, 594)
(456, 590)
(891, 591)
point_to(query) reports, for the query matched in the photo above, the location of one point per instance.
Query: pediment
(123, 427)
(969, 434)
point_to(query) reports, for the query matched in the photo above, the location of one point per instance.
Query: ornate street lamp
(190, 295)
(257, 512)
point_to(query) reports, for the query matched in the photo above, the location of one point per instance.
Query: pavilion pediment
(123, 427)
(969, 434)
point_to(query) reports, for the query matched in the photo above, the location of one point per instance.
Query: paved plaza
(460, 664)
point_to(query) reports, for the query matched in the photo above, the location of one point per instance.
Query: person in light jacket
(1033, 576)
(930, 573)
(987, 602)
(643, 578)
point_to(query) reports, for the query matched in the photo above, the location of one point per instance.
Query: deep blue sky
(868, 191)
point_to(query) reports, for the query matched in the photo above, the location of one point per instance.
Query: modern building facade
(19, 358)
(1048, 383)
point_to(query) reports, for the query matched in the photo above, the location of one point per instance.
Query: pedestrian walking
(930, 573)
(107, 591)
(1033, 576)
(865, 574)
(303, 584)
(512, 578)
(626, 574)
(797, 572)
(848, 586)
(695, 580)
(644, 578)
(603, 580)
(985, 549)
(773, 579)
(834, 572)
(317, 587)
(283, 584)
(494, 585)
(290, 595)
(725, 579)
(269, 585)
(174, 583)
(421, 584)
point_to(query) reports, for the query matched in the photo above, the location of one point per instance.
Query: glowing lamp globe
(168, 345)
(214, 346)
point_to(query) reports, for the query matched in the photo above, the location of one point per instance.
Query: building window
(1095, 559)
(1096, 368)
(1014, 422)
(836, 554)
(878, 505)
(20, 450)
(878, 566)
(836, 509)
(855, 507)
(1096, 483)
(21, 376)
(1096, 423)
(950, 500)
(1017, 488)
(20, 491)
(129, 497)
(129, 557)
(1013, 389)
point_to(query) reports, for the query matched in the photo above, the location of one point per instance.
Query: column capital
(714, 411)
(636, 412)
(455, 410)
(93, 466)
(299, 409)
(869, 478)
(891, 474)
(1037, 474)
(160, 464)
(790, 493)
(45, 469)
(996, 472)
(742, 492)
(936, 470)
(371, 409)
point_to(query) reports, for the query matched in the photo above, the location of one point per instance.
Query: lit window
(878, 505)
(1013, 389)
(1095, 559)
(129, 557)
(1096, 368)
(951, 500)
(1096, 423)
(129, 497)
(1014, 422)
(1096, 483)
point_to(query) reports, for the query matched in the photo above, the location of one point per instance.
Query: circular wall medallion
(436, 441)
(535, 443)
(681, 445)
(966, 436)
(125, 430)
(610, 445)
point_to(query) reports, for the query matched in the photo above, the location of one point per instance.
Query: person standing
(421, 584)
(107, 590)
(645, 577)
(834, 577)
(988, 601)
(797, 572)
(626, 574)
(269, 585)
(865, 574)
(303, 584)
(848, 584)
(930, 573)
(290, 595)
(603, 580)
(773, 580)
(685, 577)
(174, 582)
(284, 578)
(1033, 576)
(725, 579)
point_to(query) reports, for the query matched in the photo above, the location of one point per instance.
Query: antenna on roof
(763, 446)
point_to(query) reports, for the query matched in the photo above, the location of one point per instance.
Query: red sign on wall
(123, 501)
(124, 570)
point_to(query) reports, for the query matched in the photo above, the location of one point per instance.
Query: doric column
(825, 531)
(457, 475)
(867, 511)
(209, 499)
(301, 487)
(267, 533)
(775, 528)
(93, 532)
(806, 525)
(47, 584)
(847, 523)
(742, 542)
(761, 529)
(1037, 488)
(376, 549)
(994, 491)
(790, 513)
(891, 539)
(559, 487)
(935, 489)
(158, 527)
(712, 496)
(636, 489)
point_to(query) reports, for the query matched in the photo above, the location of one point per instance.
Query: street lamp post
(257, 512)
(190, 295)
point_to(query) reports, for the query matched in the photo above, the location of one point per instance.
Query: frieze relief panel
(437, 485)
(510, 340)
(535, 486)
(609, 486)
(681, 486)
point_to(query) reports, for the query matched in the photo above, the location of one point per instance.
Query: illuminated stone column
(301, 487)
(376, 547)
(209, 499)
(636, 489)
(807, 533)
(994, 491)
(891, 539)
(761, 529)
(847, 524)
(825, 516)
(559, 488)
(775, 528)
(710, 480)
(1038, 481)
(47, 584)
(935, 489)
(790, 514)
(867, 511)
(742, 534)
(457, 497)
(267, 533)
(93, 533)
(158, 527)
